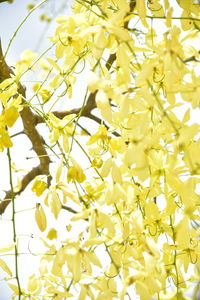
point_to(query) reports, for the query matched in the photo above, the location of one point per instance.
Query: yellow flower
(10, 115)
(75, 173)
(5, 140)
(62, 128)
(45, 94)
(39, 186)
(52, 234)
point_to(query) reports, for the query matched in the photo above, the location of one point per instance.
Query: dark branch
(29, 122)
(25, 181)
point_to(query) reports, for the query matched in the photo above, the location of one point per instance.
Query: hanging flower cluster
(137, 197)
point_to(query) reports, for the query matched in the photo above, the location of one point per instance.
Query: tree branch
(25, 181)
(29, 123)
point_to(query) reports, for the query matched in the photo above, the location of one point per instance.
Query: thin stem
(78, 117)
(20, 25)
(14, 223)
(175, 255)
(70, 209)
(35, 61)
(64, 79)
(86, 154)
(165, 114)
(103, 16)
(173, 18)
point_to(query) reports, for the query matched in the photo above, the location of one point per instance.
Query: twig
(25, 181)
(189, 59)
(69, 209)
(17, 133)
(84, 129)
(99, 121)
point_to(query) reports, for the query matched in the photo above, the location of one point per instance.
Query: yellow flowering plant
(116, 188)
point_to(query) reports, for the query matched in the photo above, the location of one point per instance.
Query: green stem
(175, 255)
(165, 114)
(35, 61)
(86, 154)
(14, 223)
(64, 79)
(20, 25)
(76, 122)
(173, 18)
